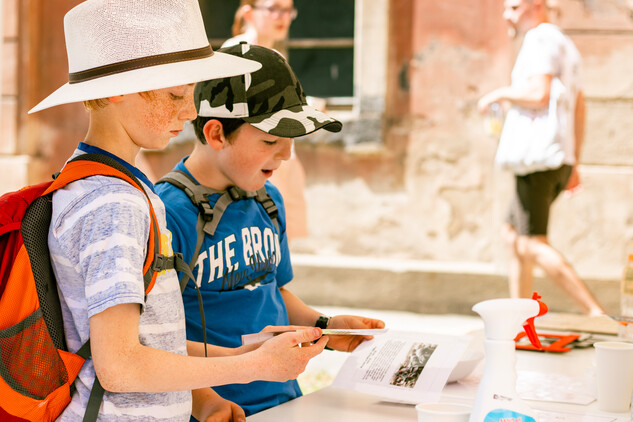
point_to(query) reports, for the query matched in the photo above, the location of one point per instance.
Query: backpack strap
(208, 215)
(269, 205)
(199, 196)
(97, 391)
(86, 165)
(260, 195)
(94, 401)
(209, 218)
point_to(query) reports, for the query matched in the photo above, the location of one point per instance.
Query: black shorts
(534, 194)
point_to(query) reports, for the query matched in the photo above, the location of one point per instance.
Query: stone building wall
(426, 206)
(427, 191)
(431, 192)
(32, 147)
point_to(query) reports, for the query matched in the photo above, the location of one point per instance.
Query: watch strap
(322, 322)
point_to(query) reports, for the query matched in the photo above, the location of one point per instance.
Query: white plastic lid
(504, 318)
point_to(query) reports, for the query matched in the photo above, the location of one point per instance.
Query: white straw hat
(118, 47)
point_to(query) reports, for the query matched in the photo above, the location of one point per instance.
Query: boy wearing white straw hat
(134, 63)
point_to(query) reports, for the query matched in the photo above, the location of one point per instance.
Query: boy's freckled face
(161, 115)
(252, 156)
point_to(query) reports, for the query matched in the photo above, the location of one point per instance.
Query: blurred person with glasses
(263, 22)
(266, 23)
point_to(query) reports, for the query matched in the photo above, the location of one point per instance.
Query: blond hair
(99, 103)
(92, 105)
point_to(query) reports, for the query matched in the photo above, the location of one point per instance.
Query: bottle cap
(503, 318)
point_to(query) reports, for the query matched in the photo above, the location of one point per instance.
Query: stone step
(428, 287)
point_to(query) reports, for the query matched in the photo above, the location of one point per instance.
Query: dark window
(218, 19)
(320, 45)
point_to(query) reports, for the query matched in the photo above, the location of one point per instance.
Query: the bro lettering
(222, 261)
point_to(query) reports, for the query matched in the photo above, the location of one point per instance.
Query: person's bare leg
(558, 269)
(520, 267)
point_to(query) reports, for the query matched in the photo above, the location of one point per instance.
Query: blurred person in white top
(546, 54)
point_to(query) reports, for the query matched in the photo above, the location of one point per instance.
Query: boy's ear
(214, 134)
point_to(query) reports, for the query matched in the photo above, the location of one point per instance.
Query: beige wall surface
(452, 199)
(427, 190)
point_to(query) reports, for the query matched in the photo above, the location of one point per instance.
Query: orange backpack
(36, 370)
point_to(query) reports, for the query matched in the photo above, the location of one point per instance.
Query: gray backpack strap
(199, 196)
(209, 216)
(262, 196)
(218, 209)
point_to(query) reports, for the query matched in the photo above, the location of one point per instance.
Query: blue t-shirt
(239, 271)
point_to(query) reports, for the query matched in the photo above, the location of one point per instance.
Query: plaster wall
(449, 201)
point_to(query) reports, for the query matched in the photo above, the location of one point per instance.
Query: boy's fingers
(322, 342)
(308, 335)
(313, 349)
(281, 328)
(238, 414)
(302, 336)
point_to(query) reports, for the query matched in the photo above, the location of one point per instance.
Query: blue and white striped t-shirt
(98, 241)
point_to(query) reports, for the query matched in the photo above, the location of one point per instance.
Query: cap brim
(294, 121)
(219, 65)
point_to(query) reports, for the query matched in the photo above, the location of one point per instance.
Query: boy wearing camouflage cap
(245, 126)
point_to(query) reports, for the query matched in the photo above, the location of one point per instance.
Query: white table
(333, 404)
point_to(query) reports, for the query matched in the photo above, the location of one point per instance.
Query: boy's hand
(283, 358)
(349, 343)
(269, 328)
(208, 406)
(274, 328)
(226, 411)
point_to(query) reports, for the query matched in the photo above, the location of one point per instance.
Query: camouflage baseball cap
(271, 99)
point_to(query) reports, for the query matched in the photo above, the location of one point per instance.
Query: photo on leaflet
(409, 372)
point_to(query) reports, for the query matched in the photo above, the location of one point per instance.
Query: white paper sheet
(402, 366)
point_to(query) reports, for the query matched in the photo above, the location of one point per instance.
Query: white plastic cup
(443, 412)
(614, 375)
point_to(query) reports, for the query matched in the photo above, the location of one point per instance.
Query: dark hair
(228, 126)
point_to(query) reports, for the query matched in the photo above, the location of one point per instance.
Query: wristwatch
(322, 322)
